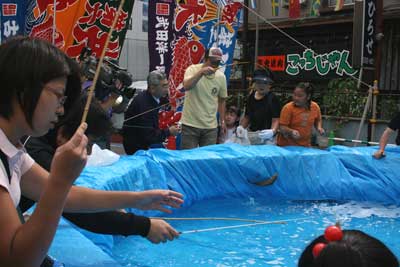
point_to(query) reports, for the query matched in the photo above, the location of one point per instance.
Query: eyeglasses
(60, 97)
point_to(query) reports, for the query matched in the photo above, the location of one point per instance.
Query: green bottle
(331, 142)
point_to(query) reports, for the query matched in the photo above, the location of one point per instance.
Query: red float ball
(317, 249)
(333, 233)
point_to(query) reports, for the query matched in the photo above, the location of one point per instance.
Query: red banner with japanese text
(74, 24)
(180, 31)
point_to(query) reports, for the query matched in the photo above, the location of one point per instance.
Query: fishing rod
(100, 63)
(207, 219)
(147, 111)
(240, 226)
(233, 64)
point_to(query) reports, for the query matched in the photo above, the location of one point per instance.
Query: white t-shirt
(19, 162)
(229, 133)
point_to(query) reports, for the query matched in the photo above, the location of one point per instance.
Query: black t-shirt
(261, 112)
(394, 124)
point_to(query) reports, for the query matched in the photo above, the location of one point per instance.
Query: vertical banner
(315, 5)
(294, 9)
(369, 33)
(339, 5)
(12, 18)
(78, 23)
(275, 7)
(180, 31)
(364, 34)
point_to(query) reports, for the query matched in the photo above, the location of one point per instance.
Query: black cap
(263, 75)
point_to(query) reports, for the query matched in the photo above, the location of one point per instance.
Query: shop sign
(274, 63)
(11, 19)
(322, 63)
(369, 33)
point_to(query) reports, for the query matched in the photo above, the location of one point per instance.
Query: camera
(112, 78)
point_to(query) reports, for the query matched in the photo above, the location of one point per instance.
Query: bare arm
(191, 82)
(27, 244)
(383, 142)
(90, 200)
(81, 199)
(318, 125)
(245, 121)
(221, 109)
(288, 132)
(275, 124)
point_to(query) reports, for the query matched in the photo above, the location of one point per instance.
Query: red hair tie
(332, 233)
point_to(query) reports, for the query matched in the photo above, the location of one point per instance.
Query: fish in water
(267, 181)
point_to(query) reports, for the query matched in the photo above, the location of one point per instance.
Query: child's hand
(295, 134)
(379, 154)
(70, 158)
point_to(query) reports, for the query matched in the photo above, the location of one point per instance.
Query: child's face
(49, 107)
(262, 88)
(230, 119)
(299, 97)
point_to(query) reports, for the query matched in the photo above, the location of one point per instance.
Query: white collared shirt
(19, 162)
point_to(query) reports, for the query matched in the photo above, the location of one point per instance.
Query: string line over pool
(255, 223)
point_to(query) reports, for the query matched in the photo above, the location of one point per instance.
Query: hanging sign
(12, 18)
(322, 63)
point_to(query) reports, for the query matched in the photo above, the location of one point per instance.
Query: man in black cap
(262, 106)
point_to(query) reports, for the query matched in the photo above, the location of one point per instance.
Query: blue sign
(12, 18)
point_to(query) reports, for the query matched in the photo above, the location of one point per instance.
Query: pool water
(275, 245)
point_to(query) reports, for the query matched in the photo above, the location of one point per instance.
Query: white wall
(135, 53)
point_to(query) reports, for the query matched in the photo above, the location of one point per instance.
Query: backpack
(48, 261)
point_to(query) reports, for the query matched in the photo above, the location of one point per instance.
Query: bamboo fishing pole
(232, 64)
(207, 219)
(100, 63)
(240, 226)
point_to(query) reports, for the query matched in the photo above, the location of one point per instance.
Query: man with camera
(141, 129)
(112, 88)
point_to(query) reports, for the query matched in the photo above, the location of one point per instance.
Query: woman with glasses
(35, 76)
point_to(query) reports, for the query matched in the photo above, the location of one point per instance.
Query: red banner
(294, 9)
(274, 63)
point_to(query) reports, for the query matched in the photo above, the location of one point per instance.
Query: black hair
(99, 123)
(26, 65)
(308, 89)
(74, 84)
(235, 110)
(356, 249)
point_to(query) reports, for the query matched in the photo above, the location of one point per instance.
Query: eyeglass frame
(60, 97)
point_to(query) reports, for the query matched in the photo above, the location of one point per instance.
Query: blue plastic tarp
(339, 173)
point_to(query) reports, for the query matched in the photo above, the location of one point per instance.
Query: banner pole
(53, 39)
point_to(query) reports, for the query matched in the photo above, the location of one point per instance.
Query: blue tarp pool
(218, 179)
